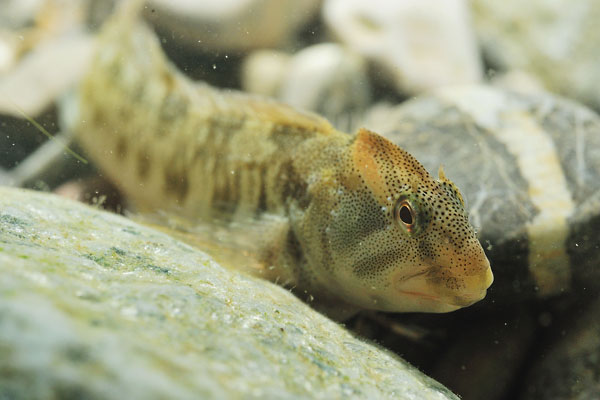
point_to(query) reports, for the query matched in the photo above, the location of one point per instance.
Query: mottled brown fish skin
(366, 225)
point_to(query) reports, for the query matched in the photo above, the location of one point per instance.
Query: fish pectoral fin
(257, 246)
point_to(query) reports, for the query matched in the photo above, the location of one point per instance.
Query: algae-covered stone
(93, 305)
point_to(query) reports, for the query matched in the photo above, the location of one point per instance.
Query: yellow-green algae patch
(93, 305)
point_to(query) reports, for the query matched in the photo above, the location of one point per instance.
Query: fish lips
(430, 294)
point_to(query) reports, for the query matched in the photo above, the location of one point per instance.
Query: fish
(348, 222)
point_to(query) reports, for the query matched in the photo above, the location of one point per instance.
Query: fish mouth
(420, 295)
(435, 298)
(467, 299)
(458, 301)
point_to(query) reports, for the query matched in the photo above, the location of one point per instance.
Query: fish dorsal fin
(449, 185)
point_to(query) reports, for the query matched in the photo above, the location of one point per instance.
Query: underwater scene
(314, 199)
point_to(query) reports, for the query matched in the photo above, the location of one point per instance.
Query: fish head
(401, 240)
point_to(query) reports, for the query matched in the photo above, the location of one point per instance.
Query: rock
(93, 305)
(44, 74)
(263, 71)
(8, 52)
(44, 50)
(570, 361)
(551, 40)
(529, 169)
(233, 25)
(325, 78)
(518, 81)
(18, 13)
(330, 80)
(419, 44)
(42, 63)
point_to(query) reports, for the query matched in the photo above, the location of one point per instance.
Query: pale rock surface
(17, 13)
(8, 50)
(263, 72)
(330, 80)
(419, 44)
(557, 41)
(44, 50)
(93, 305)
(518, 81)
(232, 25)
(45, 73)
(326, 78)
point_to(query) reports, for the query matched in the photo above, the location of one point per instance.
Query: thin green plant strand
(49, 135)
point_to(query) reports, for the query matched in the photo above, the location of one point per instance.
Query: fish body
(351, 221)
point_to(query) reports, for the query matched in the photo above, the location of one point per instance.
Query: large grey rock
(93, 305)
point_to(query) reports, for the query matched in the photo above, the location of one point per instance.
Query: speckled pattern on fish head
(400, 240)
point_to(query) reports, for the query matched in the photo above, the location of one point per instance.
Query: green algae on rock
(93, 305)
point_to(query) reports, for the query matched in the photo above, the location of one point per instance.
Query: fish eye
(405, 213)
